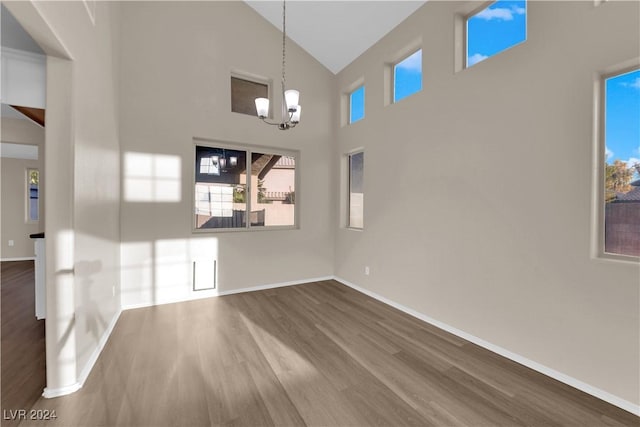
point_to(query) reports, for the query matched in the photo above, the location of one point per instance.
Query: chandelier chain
(284, 38)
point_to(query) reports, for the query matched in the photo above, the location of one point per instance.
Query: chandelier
(290, 107)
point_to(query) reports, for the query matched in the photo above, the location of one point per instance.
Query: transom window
(495, 28)
(356, 105)
(244, 93)
(407, 76)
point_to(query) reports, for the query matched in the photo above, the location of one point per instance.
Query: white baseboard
(26, 258)
(202, 295)
(274, 285)
(573, 382)
(50, 393)
(84, 374)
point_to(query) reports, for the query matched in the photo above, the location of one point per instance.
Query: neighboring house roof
(285, 163)
(630, 196)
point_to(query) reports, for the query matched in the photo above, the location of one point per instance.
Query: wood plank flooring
(23, 344)
(317, 354)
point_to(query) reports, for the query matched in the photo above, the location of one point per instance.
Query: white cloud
(608, 153)
(475, 58)
(635, 84)
(501, 13)
(632, 161)
(413, 62)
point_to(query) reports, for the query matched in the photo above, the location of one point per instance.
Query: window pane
(356, 112)
(33, 196)
(273, 178)
(498, 27)
(622, 164)
(407, 76)
(356, 190)
(220, 188)
(244, 94)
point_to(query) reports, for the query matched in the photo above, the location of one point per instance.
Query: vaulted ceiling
(336, 32)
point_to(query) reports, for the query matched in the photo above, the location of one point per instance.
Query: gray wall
(176, 86)
(478, 191)
(83, 176)
(14, 225)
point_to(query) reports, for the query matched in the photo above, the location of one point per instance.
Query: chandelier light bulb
(295, 117)
(262, 107)
(292, 97)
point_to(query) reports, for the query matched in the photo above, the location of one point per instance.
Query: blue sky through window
(622, 118)
(356, 101)
(407, 76)
(498, 27)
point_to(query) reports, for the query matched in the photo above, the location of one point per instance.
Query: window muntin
(621, 192)
(33, 195)
(238, 188)
(356, 105)
(407, 76)
(244, 93)
(356, 190)
(497, 27)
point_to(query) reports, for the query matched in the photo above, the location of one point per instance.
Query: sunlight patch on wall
(136, 260)
(162, 271)
(152, 178)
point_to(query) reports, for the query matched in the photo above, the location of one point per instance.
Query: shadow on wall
(89, 310)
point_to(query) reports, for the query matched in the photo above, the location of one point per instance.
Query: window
(244, 93)
(356, 105)
(240, 188)
(622, 164)
(495, 28)
(33, 196)
(356, 190)
(407, 76)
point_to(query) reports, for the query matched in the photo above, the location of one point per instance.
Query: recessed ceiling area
(336, 32)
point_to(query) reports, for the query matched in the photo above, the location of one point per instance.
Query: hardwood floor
(23, 348)
(314, 354)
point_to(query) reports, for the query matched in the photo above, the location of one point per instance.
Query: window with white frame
(356, 105)
(33, 195)
(356, 190)
(621, 154)
(407, 76)
(495, 28)
(244, 188)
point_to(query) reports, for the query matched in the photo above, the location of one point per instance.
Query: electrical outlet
(11, 242)
(366, 270)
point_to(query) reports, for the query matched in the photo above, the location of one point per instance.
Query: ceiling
(14, 36)
(336, 32)
(333, 32)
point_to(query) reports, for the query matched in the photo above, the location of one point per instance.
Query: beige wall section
(83, 242)
(478, 191)
(14, 224)
(176, 86)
